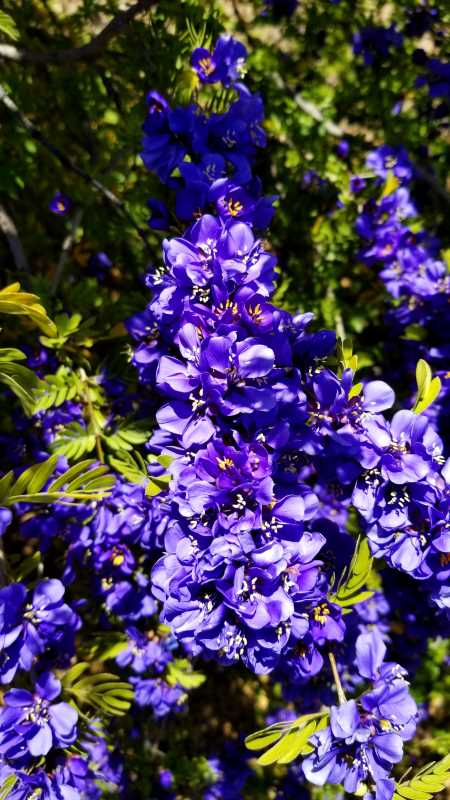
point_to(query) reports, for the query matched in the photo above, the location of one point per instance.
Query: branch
(67, 162)
(313, 111)
(8, 228)
(67, 246)
(337, 681)
(87, 52)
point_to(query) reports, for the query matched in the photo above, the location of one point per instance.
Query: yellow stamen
(206, 65)
(224, 463)
(234, 207)
(320, 613)
(256, 313)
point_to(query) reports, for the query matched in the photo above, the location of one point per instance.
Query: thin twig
(89, 411)
(314, 111)
(339, 322)
(340, 692)
(3, 565)
(68, 243)
(67, 162)
(8, 228)
(87, 52)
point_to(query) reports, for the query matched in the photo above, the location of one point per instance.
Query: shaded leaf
(9, 28)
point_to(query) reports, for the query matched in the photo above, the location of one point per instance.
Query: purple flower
(386, 159)
(31, 722)
(99, 264)
(5, 519)
(159, 695)
(374, 42)
(30, 625)
(142, 654)
(223, 65)
(396, 449)
(159, 219)
(364, 738)
(60, 204)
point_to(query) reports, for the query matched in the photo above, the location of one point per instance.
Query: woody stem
(340, 692)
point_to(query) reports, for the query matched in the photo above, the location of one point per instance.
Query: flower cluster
(364, 738)
(108, 548)
(221, 146)
(375, 42)
(264, 437)
(409, 525)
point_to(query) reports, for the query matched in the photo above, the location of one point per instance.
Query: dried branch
(87, 52)
(9, 230)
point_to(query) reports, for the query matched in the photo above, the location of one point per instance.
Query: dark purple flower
(224, 64)
(31, 624)
(159, 219)
(60, 204)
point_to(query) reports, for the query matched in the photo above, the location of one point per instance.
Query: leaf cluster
(286, 741)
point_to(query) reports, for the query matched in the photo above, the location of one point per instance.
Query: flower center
(321, 613)
(207, 65)
(234, 207)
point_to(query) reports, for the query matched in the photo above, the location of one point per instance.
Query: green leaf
(128, 435)
(431, 779)
(269, 735)
(102, 691)
(21, 380)
(157, 485)
(347, 359)
(288, 740)
(360, 597)
(56, 389)
(74, 441)
(428, 387)
(391, 185)
(348, 592)
(9, 783)
(131, 465)
(69, 326)
(26, 566)
(290, 746)
(180, 672)
(14, 301)
(113, 650)
(355, 390)
(73, 673)
(8, 26)
(34, 478)
(423, 376)
(11, 354)
(78, 484)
